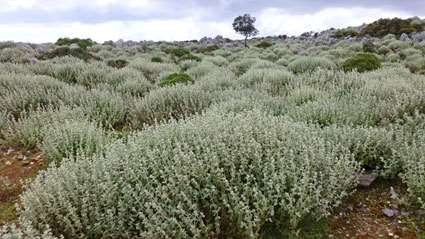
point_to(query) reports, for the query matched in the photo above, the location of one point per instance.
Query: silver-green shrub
(309, 64)
(20, 93)
(177, 101)
(273, 81)
(70, 139)
(24, 231)
(106, 108)
(214, 175)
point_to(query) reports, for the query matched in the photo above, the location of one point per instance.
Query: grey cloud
(213, 10)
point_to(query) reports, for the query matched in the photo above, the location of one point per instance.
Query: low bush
(208, 49)
(28, 132)
(62, 51)
(73, 139)
(25, 93)
(213, 176)
(189, 57)
(156, 59)
(175, 78)
(152, 70)
(135, 87)
(273, 81)
(264, 45)
(309, 64)
(362, 62)
(343, 33)
(178, 52)
(106, 108)
(24, 231)
(118, 63)
(83, 43)
(165, 103)
(15, 55)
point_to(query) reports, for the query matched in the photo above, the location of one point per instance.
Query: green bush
(62, 51)
(395, 26)
(156, 59)
(310, 64)
(118, 63)
(264, 45)
(83, 43)
(189, 57)
(343, 33)
(175, 78)
(178, 52)
(225, 176)
(208, 49)
(362, 62)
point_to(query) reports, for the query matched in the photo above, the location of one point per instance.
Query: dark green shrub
(178, 52)
(395, 26)
(190, 57)
(362, 62)
(83, 43)
(176, 78)
(369, 46)
(157, 59)
(118, 63)
(264, 45)
(80, 53)
(343, 33)
(208, 49)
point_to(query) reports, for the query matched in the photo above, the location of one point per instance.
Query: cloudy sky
(47, 20)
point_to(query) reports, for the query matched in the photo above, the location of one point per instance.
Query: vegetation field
(187, 140)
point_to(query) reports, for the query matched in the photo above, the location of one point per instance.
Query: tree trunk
(246, 44)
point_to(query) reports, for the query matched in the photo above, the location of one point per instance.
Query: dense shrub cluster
(183, 140)
(229, 184)
(83, 43)
(395, 26)
(343, 33)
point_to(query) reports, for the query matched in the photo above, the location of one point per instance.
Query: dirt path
(362, 216)
(15, 166)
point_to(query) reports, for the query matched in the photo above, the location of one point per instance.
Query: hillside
(320, 135)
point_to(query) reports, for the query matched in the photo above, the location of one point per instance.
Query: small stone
(9, 151)
(22, 157)
(390, 212)
(365, 180)
(8, 163)
(405, 213)
(390, 234)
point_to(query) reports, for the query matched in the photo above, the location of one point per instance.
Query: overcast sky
(47, 20)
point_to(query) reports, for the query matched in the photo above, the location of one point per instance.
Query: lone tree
(244, 25)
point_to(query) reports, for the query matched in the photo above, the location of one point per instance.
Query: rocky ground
(16, 166)
(378, 211)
